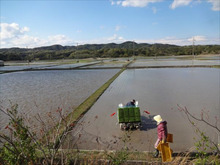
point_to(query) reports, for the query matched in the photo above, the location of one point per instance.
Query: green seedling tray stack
(129, 114)
(121, 115)
(137, 114)
(126, 115)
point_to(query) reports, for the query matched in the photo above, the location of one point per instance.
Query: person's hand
(163, 141)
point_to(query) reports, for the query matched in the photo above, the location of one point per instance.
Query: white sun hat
(158, 119)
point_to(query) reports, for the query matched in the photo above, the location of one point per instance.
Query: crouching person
(131, 103)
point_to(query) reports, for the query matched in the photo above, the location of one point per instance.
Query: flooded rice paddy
(174, 63)
(159, 91)
(43, 66)
(45, 91)
(188, 61)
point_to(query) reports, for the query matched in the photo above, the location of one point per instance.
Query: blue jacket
(130, 104)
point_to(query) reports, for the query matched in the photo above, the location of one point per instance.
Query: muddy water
(44, 91)
(159, 91)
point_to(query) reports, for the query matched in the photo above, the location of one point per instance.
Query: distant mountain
(53, 47)
(125, 49)
(125, 45)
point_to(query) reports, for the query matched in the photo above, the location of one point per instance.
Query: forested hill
(126, 49)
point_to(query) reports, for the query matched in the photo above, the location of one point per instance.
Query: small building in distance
(1, 63)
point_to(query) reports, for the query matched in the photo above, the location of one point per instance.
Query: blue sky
(70, 22)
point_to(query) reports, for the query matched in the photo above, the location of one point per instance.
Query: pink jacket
(162, 130)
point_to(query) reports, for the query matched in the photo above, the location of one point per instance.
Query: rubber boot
(156, 153)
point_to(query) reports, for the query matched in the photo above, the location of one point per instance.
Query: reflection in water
(44, 91)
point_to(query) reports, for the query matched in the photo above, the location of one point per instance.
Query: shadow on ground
(148, 123)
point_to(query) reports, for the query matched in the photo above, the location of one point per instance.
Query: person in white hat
(161, 132)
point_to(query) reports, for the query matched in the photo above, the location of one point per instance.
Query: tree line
(111, 50)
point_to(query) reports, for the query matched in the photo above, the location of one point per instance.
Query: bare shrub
(204, 144)
(21, 145)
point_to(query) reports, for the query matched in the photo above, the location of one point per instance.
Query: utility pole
(77, 60)
(193, 52)
(133, 49)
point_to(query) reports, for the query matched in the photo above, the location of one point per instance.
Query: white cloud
(115, 38)
(120, 38)
(112, 38)
(166, 40)
(215, 4)
(12, 35)
(115, 2)
(178, 3)
(11, 30)
(25, 41)
(175, 3)
(197, 38)
(134, 3)
(59, 39)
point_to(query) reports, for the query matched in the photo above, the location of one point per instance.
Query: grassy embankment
(132, 158)
(216, 66)
(58, 62)
(77, 113)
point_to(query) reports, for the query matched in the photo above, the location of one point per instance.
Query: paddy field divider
(73, 117)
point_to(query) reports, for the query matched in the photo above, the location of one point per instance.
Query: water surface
(158, 91)
(44, 91)
(174, 62)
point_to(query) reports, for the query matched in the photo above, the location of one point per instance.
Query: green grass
(95, 155)
(57, 62)
(145, 157)
(216, 66)
(105, 155)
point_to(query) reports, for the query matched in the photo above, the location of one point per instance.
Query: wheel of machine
(121, 126)
(132, 126)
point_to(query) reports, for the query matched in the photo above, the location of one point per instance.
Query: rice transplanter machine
(129, 117)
